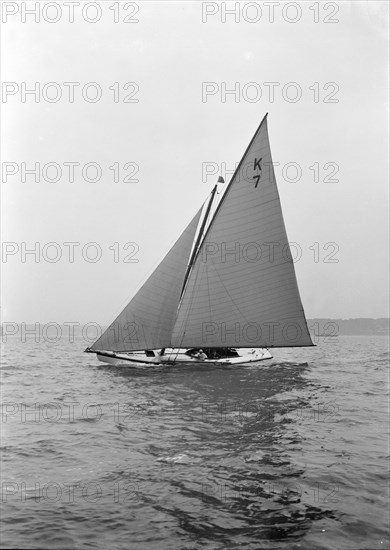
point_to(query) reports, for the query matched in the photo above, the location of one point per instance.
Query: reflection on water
(286, 455)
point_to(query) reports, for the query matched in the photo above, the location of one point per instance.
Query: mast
(198, 240)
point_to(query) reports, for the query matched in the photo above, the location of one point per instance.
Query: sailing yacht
(226, 292)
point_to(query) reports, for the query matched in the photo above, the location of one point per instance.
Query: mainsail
(242, 289)
(147, 321)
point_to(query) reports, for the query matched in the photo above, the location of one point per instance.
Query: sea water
(292, 453)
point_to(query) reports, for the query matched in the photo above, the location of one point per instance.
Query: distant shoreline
(364, 326)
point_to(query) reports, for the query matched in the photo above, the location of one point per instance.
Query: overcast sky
(338, 127)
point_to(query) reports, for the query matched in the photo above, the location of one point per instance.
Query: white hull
(174, 357)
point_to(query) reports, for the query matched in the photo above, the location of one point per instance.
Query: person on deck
(201, 355)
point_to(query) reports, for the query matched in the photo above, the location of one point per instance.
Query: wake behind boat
(216, 297)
